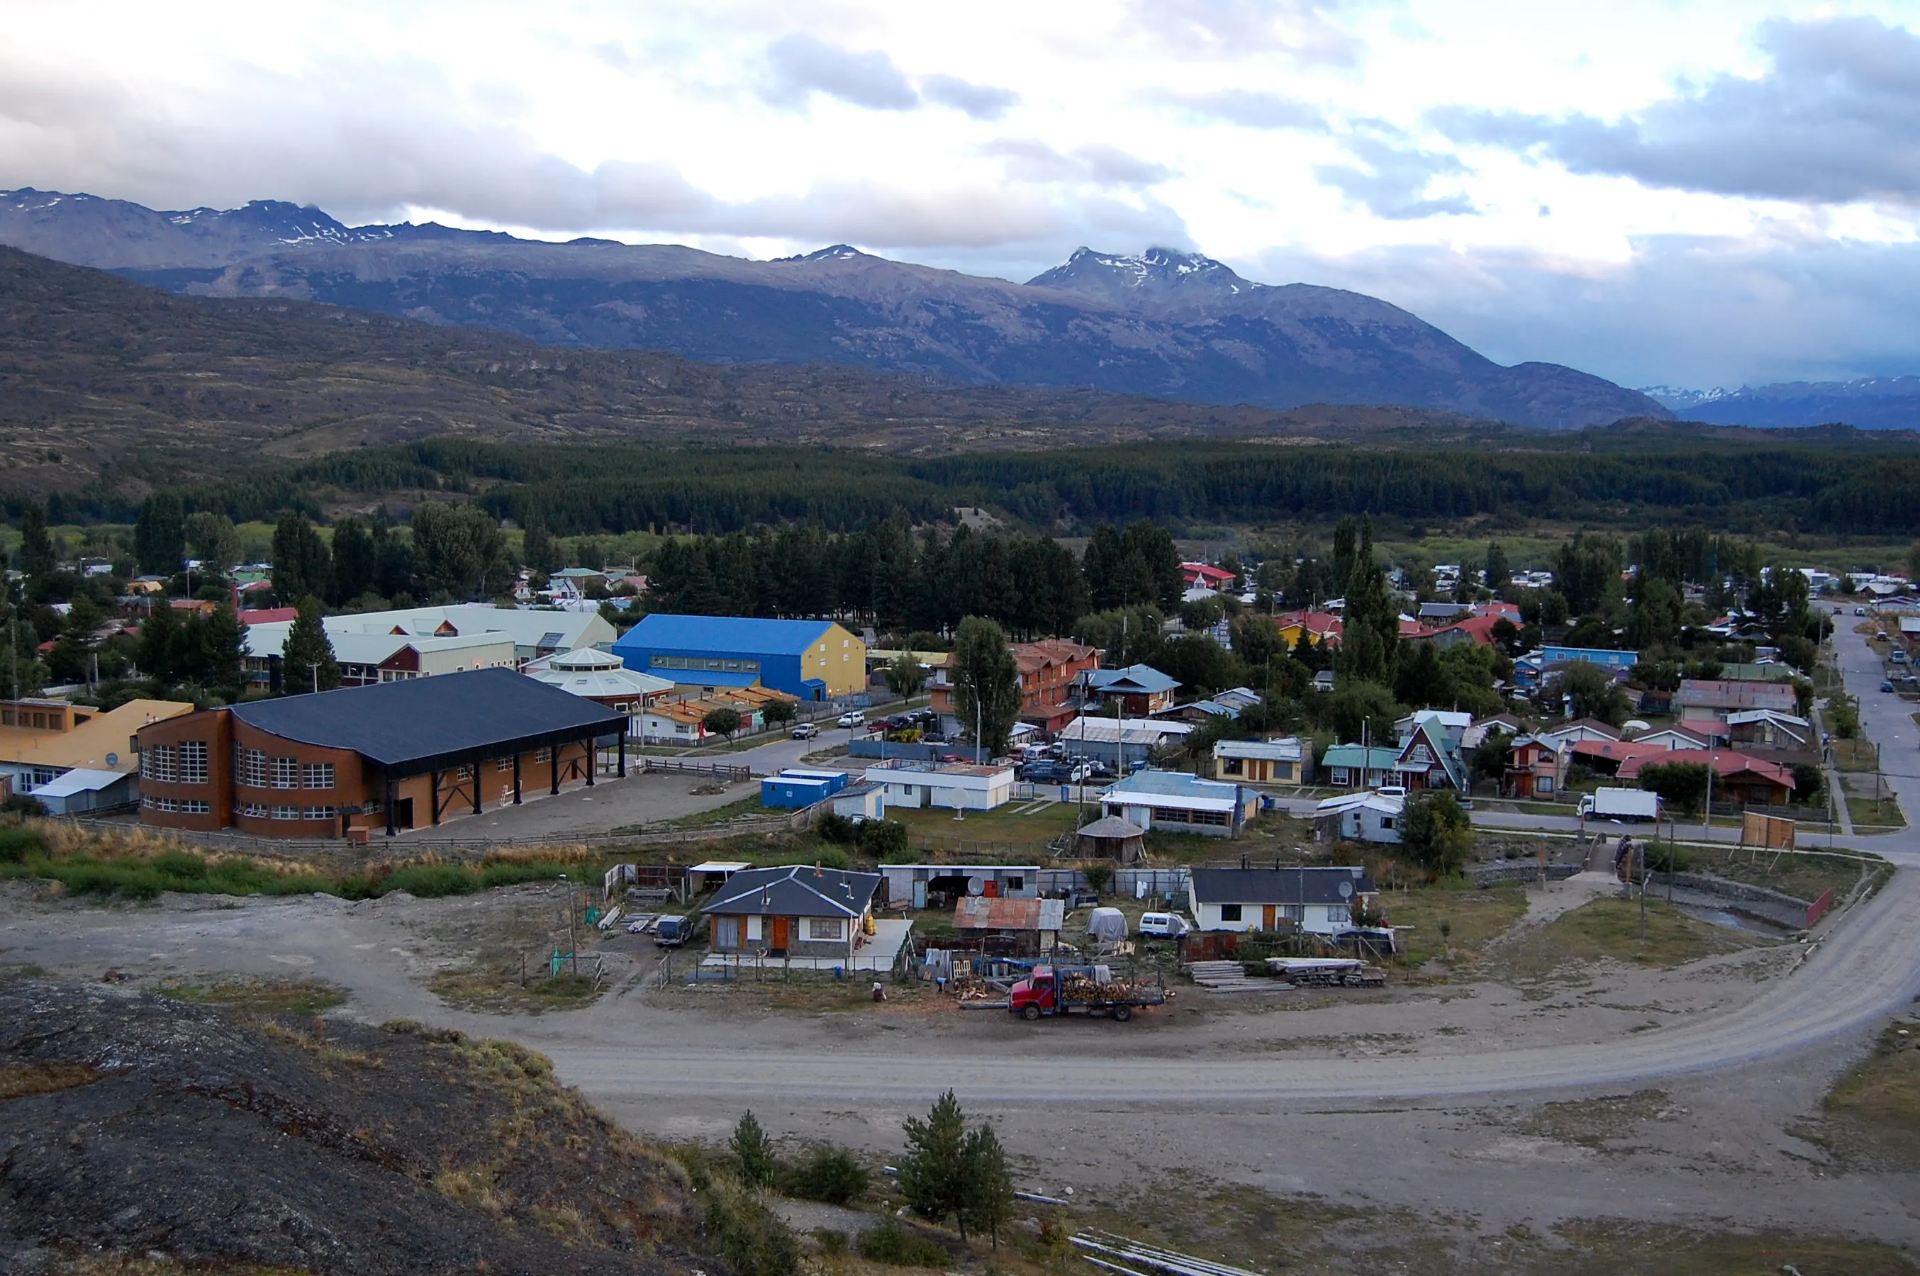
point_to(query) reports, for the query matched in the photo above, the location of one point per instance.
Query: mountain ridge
(1871, 403)
(1194, 331)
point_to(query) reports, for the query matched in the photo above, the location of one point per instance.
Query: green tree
(1593, 693)
(753, 1152)
(71, 657)
(1679, 784)
(1499, 574)
(1436, 833)
(356, 561)
(722, 721)
(157, 642)
(213, 540)
(1370, 626)
(461, 550)
(905, 676)
(160, 534)
(36, 544)
(778, 713)
(539, 549)
(987, 1205)
(1354, 705)
(986, 684)
(1489, 758)
(307, 662)
(302, 565)
(933, 1168)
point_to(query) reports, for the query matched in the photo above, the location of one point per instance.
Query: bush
(892, 1244)
(1099, 877)
(1666, 858)
(833, 827)
(878, 839)
(829, 1175)
(751, 1237)
(18, 843)
(21, 804)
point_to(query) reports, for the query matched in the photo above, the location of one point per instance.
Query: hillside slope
(133, 1125)
(99, 376)
(1168, 324)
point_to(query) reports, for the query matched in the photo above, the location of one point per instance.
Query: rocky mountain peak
(1157, 270)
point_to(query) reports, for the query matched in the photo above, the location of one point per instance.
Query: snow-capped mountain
(1870, 403)
(1175, 324)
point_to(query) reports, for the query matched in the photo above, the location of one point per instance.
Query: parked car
(1164, 925)
(1859, 611)
(853, 719)
(806, 731)
(1886, 686)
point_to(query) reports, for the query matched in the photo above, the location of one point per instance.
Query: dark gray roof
(419, 721)
(797, 890)
(1277, 886)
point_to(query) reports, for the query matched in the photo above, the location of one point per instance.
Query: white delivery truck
(1620, 804)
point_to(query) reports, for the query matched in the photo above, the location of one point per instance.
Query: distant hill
(1168, 324)
(1874, 403)
(103, 377)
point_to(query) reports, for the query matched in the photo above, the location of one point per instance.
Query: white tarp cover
(1106, 924)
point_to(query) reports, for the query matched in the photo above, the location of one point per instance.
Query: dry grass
(1875, 1107)
(261, 996)
(498, 988)
(1472, 918)
(18, 1080)
(1593, 1123)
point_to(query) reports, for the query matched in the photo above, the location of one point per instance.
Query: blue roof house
(811, 659)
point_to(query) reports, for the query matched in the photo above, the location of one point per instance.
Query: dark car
(1886, 686)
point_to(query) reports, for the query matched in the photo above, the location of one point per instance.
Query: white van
(1164, 925)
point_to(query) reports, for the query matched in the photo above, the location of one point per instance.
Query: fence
(250, 843)
(680, 766)
(1820, 907)
(1136, 882)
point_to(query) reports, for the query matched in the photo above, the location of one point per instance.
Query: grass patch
(936, 827)
(740, 809)
(1606, 1247)
(1610, 929)
(19, 1080)
(1876, 1105)
(1884, 813)
(1804, 876)
(1857, 754)
(499, 989)
(261, 996)
(1472, 918)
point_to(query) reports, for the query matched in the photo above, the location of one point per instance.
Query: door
(403, 813)
(1266, 918)
(779, 942)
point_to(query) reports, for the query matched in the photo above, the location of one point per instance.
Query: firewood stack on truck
(1057, 990)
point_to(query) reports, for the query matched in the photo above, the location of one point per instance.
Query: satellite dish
(113, 759)
(976, 886)
(1636, 725)
(1346, 890)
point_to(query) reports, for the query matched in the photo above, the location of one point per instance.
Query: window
(1017, 882)
(318, 813)
(1232, 766)
(1229, 912)
(316, 775)
(254, 810)
(286, 812)
(160, 804)
(545, 753)
(40, 776)
(1546, 784)
(196, 806)
(249, 767)
(825, 928)
(1386, 823)
(753, 929)
(503, 766)
(286, 773)
(463, 772)
(193, 762)
(160, 762)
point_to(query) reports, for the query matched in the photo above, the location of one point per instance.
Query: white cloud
(801, 65)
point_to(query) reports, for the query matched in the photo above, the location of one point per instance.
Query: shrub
(21, 804)
(1665, 857)
(878, 839)
(19, 842)
(752, 1152)
(751, 1237)
(834, 827)
(892, 1244)
(1099, 876)
(829, 1175)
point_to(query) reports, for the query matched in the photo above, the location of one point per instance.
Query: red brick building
(382, 758)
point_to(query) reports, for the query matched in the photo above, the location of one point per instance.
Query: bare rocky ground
(1628, 1178)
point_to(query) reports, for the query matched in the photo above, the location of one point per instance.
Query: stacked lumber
(1084, 988)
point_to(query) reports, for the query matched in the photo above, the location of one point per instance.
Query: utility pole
(573, 944)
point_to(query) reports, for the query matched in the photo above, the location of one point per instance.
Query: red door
(779, 943)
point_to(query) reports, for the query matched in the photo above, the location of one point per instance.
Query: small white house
(1360, 817)
(860, 801)
(1178, 803)
(958, 786)
(1317, 901)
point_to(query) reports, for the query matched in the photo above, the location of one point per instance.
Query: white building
(1175, 802)
(959, 786)
(1318, 901)
(1360, 817)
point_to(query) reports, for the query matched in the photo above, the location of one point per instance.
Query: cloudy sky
(1688, 192)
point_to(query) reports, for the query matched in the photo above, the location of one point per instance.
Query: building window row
(175, 763)
(253, 769)
(260, 811)
(178, 806)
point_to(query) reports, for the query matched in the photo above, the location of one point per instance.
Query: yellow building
(43, 739)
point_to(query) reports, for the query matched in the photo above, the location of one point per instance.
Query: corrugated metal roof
(798, 890)
(394, 723)
(979, 912)
(734, 635)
